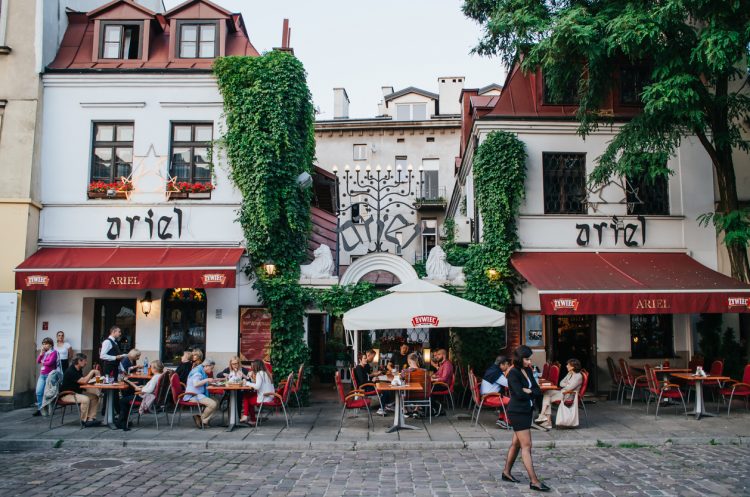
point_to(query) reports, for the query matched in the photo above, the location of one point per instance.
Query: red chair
(545, 371)
(178, 393)
(297, 385)
(717, 369)
(58, 403)
(138, 400)
(356, 399)
(630, 381)
(445, 389)
(368, 388)
(494, 400)
(735, 388)
(554, 375)
(279, 400)
(662, 391)
(615, 378)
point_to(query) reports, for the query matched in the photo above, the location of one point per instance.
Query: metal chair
(735, 388)
(279, 400)
(355, 399)
(58, 403)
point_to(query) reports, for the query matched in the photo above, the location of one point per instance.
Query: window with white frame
(402, 169)
(3, 20)
(411, 112)
(198, 40)
(121, 40)
(429, 236)
(359, 151)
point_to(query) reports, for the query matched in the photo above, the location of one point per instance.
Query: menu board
(512, 327)
(255, 332)
(8, 313)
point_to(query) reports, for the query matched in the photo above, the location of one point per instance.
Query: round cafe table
(109, 390)
(700, 408)
(398, 414)
(232, 389)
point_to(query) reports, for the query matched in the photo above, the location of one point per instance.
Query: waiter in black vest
(110, 353)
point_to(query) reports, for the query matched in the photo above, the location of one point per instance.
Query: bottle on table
(145, 365)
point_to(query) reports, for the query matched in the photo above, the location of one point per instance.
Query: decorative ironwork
(564, 183)
(648, 196)
(376, 192)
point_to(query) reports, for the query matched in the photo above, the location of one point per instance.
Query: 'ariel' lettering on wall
(618, 226)
(162, 225)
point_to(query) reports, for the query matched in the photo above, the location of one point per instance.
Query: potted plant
(117, 189)
(185, 189)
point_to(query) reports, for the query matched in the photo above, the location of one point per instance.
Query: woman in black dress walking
(523, 390)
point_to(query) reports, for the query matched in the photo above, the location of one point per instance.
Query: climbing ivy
(499, 175)
(338, 299)
(269, 141)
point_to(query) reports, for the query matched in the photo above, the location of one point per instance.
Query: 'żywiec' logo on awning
(565, 304)
(738, 302)
(37, 279)
(214, 278)
(417, 321)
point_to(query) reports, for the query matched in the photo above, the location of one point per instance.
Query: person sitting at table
(363, 375)
(186, 365)
(413, 373)
(146, 394)
(263, 389)
(88, 401)
(400, 360)
(197, 357)
(571, 385)
(494, 378)
(197, 391)
(443, 374)
(128, 363)
(235, 371)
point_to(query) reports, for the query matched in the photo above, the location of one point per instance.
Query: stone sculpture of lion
(438, 268)
(322, 265)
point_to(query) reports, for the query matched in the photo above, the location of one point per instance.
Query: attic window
(121, 41)
(198, 40)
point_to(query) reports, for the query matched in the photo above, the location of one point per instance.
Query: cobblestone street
(617, 471)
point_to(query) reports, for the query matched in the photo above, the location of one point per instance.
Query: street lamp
(146, 303)
(269, 267)
(493, 274)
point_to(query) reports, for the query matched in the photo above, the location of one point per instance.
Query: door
(183, 323)
(114, 312)
(574, 337)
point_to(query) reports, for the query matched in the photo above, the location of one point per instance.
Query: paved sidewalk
(317, 428)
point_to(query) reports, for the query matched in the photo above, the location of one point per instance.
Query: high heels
(510, 478)
(539, 488)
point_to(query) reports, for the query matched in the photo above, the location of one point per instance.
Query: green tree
(695, 52)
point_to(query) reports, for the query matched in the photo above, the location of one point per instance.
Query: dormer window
(198, 40)
(121, 40)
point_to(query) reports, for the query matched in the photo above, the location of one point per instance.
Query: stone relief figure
(439, 269)
(322, 265)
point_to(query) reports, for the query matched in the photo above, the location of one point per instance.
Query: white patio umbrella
(418, 304)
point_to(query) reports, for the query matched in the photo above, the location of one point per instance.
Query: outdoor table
(548, 386)
(139, 376)
(232, 389)
(398, 413)
(109, 399)
(700, 408)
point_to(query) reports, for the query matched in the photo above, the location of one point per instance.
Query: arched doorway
(183, 322)
(381, 261)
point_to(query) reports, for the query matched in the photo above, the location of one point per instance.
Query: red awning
(629, 283)
(73, 268)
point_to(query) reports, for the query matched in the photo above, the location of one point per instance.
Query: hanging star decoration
(629, 195)
(145, 168)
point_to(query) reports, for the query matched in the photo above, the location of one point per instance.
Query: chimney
(286, 36)
(387, 90)
(450, 94)
(340, 104)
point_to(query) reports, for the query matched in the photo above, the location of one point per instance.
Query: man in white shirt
(110, 352)
(494, 377)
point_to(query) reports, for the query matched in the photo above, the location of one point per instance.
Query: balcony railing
(431, 198)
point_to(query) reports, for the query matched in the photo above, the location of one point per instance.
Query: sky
(362, 45)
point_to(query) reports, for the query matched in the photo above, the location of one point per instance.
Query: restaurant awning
(629, 283)
(74, 268)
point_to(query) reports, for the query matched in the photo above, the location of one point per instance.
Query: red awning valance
(117, 268)
(629, 283)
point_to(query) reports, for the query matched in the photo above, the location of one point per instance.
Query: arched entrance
(379, 262)
(183, 322)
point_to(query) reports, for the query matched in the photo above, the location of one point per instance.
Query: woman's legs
(524, 440)
(249, 401)
(512, 454)
(40, 390)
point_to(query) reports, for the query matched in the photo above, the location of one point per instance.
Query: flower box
(180, 190)
(116, 190)
(117, 195)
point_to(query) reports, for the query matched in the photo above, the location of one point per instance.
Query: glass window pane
(208, 32)
(104, 133)
(182, 134)
(111, 51)
(189, 33)
(420, 112)
(187, 49)
(202, 168)
(124, 133)
(402, 112)
(123, 162)
(207, 49)
(181, 164)
(204, 133)
(101, 169)
(112, 33)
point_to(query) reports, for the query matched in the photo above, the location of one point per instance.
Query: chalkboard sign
(8, 319)
(255, 332)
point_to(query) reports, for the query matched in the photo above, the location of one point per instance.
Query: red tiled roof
(76, 51)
